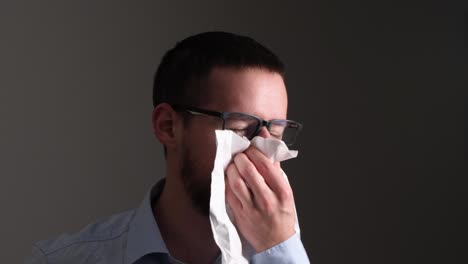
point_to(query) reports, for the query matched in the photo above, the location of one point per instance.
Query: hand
(261, 199)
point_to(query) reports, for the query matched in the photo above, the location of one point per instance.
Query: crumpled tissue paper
(234, 248)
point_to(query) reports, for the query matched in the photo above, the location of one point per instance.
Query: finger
(277, 164)
(232, 200)
(268, 169)
(250, 175)
(238, 186)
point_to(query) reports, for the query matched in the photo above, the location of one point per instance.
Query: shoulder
(93, 242)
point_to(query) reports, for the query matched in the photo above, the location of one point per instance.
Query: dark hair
(177, 80)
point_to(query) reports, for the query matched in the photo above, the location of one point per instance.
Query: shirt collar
(144, 236)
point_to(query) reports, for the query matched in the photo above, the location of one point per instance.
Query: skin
(260, 198)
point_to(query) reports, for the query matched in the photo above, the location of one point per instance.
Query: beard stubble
(197, 184)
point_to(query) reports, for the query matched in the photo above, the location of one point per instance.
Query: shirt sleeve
(289, 251)
(36, 257)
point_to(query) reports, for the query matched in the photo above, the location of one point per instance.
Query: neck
(186, 231)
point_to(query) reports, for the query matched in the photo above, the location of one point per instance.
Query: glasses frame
(223, 115)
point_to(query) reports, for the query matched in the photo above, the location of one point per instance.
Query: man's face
(250, 90)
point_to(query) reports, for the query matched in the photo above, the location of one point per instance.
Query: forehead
(254, 91)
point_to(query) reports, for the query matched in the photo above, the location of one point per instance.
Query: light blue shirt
(133, 237)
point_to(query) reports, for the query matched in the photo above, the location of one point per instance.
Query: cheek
(202, 149)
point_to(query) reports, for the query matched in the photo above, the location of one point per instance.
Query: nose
(264, 133)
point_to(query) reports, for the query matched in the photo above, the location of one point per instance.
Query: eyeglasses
(249, 126)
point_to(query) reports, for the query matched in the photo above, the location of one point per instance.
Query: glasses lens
(285, 130)
(243, 125)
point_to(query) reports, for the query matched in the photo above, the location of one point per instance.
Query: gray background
(377, 86)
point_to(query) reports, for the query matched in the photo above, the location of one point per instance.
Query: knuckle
(240, 157)
(250, 171)
(236, 184)
(267, 206)
(249, 150)
(247, 168)
(264, 166)
(285, 194)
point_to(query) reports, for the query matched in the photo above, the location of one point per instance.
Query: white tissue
(234, 248)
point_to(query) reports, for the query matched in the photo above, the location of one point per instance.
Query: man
(209, 81)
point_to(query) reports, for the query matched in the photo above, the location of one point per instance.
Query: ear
(164, 122)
